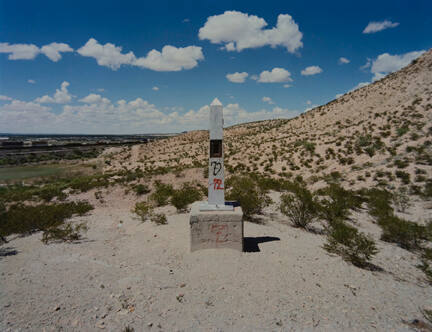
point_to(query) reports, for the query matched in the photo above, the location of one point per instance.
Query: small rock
(100, 324)
(182, 285)
(56, 308)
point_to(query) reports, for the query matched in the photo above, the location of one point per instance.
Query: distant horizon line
(64, 134)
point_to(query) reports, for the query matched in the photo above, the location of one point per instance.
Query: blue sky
(137, 66)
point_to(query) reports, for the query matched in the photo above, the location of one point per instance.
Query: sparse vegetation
(49, 218)
(184, 196)
(248, 193)
(346, 241)
(162, 193)
(299, 206)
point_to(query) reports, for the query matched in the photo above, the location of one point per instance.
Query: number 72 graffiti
(217, 184)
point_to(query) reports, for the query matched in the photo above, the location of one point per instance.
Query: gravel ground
(128, 273)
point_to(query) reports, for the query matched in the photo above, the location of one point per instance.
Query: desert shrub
(425, 266)
(338, 202)
(246, 191)
(401, 200)
(353, 246)
(141, 189)
(299, 206)
(25, 219)
(64, 233)
(404, 176)
(402, 131)
(162, 193)
(47, 193)
(144, 210)
(406, 234)
(427, 191)
(379, 202)
(159, 219)
(186, 195)
(401, 163)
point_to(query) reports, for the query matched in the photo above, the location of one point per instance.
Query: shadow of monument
(250, 244)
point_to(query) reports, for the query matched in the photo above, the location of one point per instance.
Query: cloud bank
(97, 114)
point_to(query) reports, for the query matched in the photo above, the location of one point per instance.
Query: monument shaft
(216, 185)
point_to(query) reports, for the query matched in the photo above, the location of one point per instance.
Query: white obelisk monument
(216, 184)
(214, 224)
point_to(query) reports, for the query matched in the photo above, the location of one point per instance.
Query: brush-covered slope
(377, 134)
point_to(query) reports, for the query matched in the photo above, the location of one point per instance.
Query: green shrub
(144, 210)
(427, 191)
(141, 189)
(47, 193)
(246, 191)
(162, 193)
(25, 219)
(379, 202)
(159, 219)
(425, 266)
(186, 195)
(406, 234)
(299, 206)
(404, 176)
(402, 131)
(64, 233)
(338, 202)
(353, 246)
(401, 200)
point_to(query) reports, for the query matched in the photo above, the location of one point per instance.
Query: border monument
(216, 224)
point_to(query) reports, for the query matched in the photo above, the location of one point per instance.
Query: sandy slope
(143, 275)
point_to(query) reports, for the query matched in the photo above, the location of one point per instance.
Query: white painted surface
(216, 121)
(216, 185)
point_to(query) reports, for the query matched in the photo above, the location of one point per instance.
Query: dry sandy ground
(143, 275)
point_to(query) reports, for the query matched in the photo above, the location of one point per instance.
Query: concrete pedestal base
(216, 229)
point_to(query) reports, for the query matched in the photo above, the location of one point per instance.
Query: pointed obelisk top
(216, 102)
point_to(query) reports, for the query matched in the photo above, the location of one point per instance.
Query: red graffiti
(217, 183)
(221, 232)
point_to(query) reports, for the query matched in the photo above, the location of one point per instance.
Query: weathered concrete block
(216, 229)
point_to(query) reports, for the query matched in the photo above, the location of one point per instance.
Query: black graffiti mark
(217, 167)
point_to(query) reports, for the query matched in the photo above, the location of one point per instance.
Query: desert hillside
(379, 134)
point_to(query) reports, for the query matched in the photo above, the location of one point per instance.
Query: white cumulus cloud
(20, 51)
(267, 100)
(61, 96)
(311, 70)
(2, 97)
(239, 31)
(107, 55)
(386, 63)
(31, 81)
(53, 50)
(373, 27)
(237, 77)
(155, 88)
(30, 51)
(343, 60)
(171, 58)
(275, 76)
(94, 98)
